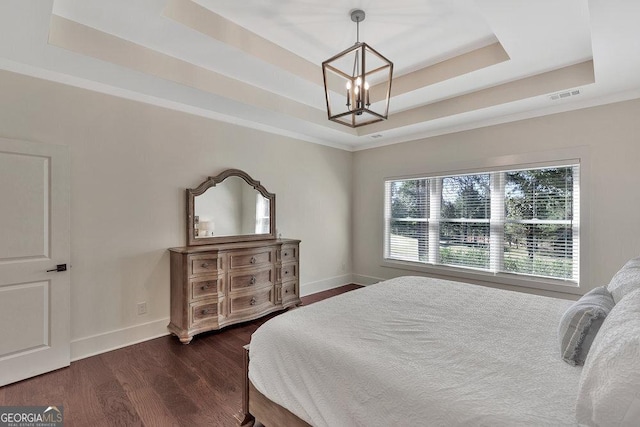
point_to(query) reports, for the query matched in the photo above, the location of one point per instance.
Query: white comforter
(420, 352)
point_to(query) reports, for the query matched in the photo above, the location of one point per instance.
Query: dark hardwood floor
(160, 382)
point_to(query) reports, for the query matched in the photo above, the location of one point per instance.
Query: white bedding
(418, 351)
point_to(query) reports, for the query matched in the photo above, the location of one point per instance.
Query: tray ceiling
(459, 64)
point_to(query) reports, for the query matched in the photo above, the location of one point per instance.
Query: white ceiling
(458, 64)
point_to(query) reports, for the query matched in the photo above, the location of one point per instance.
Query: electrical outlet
(142, 308)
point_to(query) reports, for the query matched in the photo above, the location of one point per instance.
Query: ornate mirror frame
(212, 182)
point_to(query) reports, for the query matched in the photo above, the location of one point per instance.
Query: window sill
(470, 274)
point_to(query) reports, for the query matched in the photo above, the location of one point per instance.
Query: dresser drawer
(204, 264)
(216, 285)
(205, 312)
(251, 279)
(252, 258)
(288, 272)
(254, 302)
(205, 287)
(289, 292)
(289, 253)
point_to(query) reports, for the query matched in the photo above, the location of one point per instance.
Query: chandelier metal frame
(367, 90)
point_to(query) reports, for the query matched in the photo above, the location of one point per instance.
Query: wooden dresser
(217, 285)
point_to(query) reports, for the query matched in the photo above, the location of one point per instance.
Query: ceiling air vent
(378, 135)
(563, 95)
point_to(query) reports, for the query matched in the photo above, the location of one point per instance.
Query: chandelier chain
(356, 61)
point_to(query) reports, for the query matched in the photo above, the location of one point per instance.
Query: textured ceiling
(459, 64)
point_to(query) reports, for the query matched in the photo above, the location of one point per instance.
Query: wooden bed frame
(257, 407)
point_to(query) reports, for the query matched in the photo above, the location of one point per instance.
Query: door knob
(59, 267)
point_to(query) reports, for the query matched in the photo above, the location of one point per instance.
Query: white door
(34, 238)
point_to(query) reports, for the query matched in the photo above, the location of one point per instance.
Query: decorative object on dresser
(233, 269)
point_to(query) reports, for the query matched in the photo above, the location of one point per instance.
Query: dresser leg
(182, 334)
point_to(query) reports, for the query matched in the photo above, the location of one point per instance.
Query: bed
(413, 351)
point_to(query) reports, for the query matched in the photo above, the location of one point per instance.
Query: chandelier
(357, 82)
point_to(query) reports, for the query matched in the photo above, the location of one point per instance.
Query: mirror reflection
(231, 208)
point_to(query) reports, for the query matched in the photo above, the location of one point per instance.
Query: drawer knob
(286, 254)
(286, 272)
(253, 280)
(205, 287)
(286, 291)
(253, 301)
(252, 260)
(204, 265)
(208, 311)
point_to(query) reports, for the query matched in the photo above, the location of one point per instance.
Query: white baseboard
(325, 284)
(363, 280)
(112, 340)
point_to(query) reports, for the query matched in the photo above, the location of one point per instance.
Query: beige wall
(130, 165)
(608, 135)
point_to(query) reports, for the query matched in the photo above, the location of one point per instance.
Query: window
(520, 221)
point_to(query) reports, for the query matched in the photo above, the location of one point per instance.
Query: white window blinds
(408, 213)
(521, 221)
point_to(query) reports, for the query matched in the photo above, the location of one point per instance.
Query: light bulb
(367, 100)
(358, 81)
(348, 84)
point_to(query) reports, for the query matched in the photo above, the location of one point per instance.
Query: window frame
(574, 156)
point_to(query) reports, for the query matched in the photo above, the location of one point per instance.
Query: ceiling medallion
(364, 76)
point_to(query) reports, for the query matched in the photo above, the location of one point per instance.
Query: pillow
(625, 280)
(609, 389)
(580, 324)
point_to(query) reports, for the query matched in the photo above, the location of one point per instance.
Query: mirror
(230, 207)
